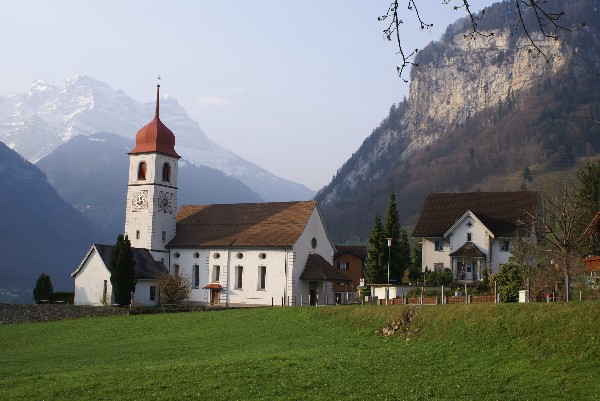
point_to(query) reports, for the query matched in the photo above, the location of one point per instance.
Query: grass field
(459, 352)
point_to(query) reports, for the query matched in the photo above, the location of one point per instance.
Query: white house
(251, 254)
(469, 231)
(92, 277)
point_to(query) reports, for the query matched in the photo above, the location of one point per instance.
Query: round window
(176, 254)
(313, 243)
(217, 255)
(262, 255)
(197, 255)
(239, 255)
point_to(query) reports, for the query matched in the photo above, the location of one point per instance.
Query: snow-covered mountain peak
(46, 116)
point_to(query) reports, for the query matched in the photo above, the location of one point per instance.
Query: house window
(469, 224)
(239, 255)
(196, 269)
(216, 273)
(438, 267)
(239, 275)
(439, 246)
(469, 237)
(164, 235)
(343, 265)
(142, 171)
(166, 176)
(313, 243)
(505, 247)
(262, 277)
(152, 293)
(176, 270)
(137, 234)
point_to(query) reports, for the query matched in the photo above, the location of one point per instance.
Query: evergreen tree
(375, 268)
(43, 289)
(405, 256)
(414, 272)
(122, 276)
(392, 230)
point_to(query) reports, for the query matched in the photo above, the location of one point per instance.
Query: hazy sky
(293, 86)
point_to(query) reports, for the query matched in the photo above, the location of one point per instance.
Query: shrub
(43, 289)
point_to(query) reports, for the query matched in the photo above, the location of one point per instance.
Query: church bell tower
(152, 188)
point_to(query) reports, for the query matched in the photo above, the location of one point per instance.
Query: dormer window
(142, 171)
(166, 173)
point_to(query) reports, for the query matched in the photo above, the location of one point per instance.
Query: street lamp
(387, 293)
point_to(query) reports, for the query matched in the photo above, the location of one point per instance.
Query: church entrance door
(214, 297)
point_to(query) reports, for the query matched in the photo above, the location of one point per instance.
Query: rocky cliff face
(459, 82)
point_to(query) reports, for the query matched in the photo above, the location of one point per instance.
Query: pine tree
(404, 252)
(392, 230)
(43, 289)
(122, 276)
(375, 270)
(414, 272)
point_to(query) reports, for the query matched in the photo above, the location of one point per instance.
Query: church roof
(317, 268)
(504, 213)
(155, 136)
(272, 224)
(145, 266)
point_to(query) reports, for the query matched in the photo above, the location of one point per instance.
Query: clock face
(139, 200)
(165, 202)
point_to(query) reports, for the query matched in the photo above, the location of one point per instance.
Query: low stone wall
(17, 313)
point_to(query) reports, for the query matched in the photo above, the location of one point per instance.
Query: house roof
(145, 266)
(317, 268)
(468, 250)
(504, 213)
(272, 224)
(359, 251)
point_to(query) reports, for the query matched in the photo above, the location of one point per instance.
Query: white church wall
(90, 281)
(314, 229)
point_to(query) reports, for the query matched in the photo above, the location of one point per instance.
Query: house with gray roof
(471, 231)
(92, 277)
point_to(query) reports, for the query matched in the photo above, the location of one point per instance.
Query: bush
(437, 279)
(509, 280)
(43, 290)
(174, 289)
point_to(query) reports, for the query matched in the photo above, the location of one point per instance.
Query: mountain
(90, 172)
(40, 232)
(482, 114)
(36, 122)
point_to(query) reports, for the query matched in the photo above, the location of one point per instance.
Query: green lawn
(459, 352)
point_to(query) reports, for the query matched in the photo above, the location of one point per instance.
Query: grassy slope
(533, 351)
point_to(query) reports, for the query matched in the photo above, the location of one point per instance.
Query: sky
(293, 86)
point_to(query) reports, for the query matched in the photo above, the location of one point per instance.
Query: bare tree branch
(548, 23)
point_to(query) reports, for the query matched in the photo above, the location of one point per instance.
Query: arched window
(142, 171)
(166, 172)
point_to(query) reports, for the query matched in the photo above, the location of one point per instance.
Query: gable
(504, 213)
(272, 224)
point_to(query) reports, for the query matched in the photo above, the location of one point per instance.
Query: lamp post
(387, 292)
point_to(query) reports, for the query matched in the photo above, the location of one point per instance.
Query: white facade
(92, 281)
(279, 269)
(436, 251)
(151, 202)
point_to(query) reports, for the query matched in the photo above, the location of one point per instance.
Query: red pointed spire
(155, 136)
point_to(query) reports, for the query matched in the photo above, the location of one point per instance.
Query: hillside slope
(480, 112)
(39, 231)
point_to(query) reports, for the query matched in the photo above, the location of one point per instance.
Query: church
(273, 253)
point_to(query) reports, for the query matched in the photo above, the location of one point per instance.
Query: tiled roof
(468, 250)
(359, 251)
(317, 268)
(502, 212)
(272, 224)
(145, 266)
